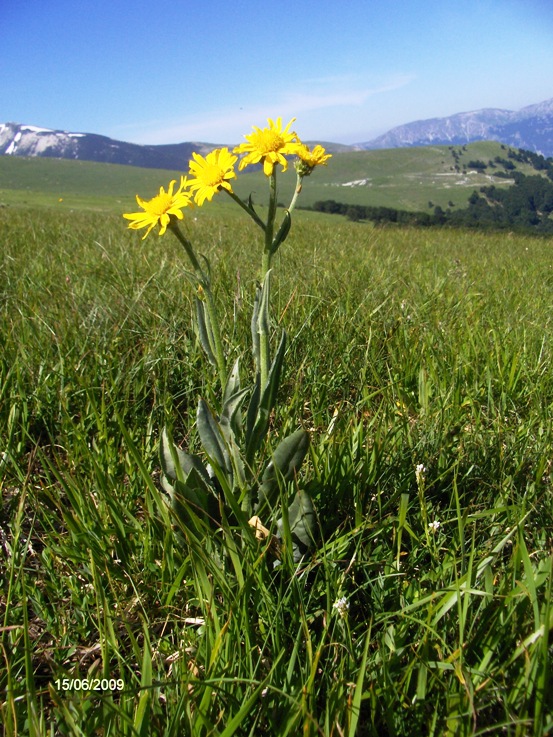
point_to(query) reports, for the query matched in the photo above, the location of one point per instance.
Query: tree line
(526, 205)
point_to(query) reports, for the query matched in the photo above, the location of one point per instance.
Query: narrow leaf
(231, 417)
(175, 463)
(255, 334)
(212, 439)
(282, 232)
(263, 317)
(285, 462)
(256, 434)
(206, 337)
(251, 415)
(233, 382)
(300, 520)
(206, 274)
(301, 516)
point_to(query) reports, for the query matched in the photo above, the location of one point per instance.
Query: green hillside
(406, 179)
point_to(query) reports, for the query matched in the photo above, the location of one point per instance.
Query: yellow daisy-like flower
(308, 160)
(211, 173)
(270, 144)
(160, 208)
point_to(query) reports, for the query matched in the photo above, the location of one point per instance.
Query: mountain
(28, 140)
(530, 128)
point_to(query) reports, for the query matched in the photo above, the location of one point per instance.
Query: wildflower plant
(233, 479)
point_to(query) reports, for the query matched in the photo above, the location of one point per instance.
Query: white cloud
(227, 125)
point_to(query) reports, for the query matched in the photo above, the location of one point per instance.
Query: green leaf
(253, 407)
(192, 504)
(255, 334)
(233, 382)
(175, 463)
(285, 462)
(301, 516)
(141, 722)
(206, 274)
(301, 521)
(233, 398)
(263, 316)
(205, 332)
(282, 232)
(213, 440)
(268, 397)
(231, 417)
(187, 483)
(255, 433)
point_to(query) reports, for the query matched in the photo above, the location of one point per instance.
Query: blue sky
(201, 70)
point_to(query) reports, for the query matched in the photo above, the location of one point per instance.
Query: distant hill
(413, 179)
(28, 140)
(530, 128)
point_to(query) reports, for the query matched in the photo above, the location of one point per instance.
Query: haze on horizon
(182, 72)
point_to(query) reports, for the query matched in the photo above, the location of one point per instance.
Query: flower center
(213, 175)
(271, 141)
(160, 204)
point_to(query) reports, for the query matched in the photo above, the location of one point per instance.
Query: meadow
(420, 363)
(402, 178)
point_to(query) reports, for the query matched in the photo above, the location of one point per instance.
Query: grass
(407, 178)
(407, 348)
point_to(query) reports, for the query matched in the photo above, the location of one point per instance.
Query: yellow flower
(160, 208)
(270, 144)
(308, 160)
(211, 173)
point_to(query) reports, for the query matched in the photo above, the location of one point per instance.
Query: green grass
(407, 347)
(405, 178)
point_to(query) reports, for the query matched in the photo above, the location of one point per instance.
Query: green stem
(174, 228)
(219, 354)
(270, 227)
(251, 212)
(210, 303)
(296, 193)
(265, 358)
(264, 355)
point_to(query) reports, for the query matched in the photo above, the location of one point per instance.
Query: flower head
(342, 606)
(270, 144)
(160, 208)
(434, 526)
(420, 472)
(211, 173)
(308, 160)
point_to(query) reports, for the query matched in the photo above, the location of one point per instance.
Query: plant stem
(265, 268)
(174, 228)
(296, 193)
(210, 303)
(251, 212)
(270, 227)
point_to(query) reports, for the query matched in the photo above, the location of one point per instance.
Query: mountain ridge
(529, 128)
(18, 139)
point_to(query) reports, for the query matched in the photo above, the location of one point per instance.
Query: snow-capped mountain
(28, 140)
(530, 128)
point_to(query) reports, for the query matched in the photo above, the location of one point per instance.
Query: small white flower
(434, 526)
(342, 606)
(420, 471)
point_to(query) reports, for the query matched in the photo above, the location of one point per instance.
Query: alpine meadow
(264, 470)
